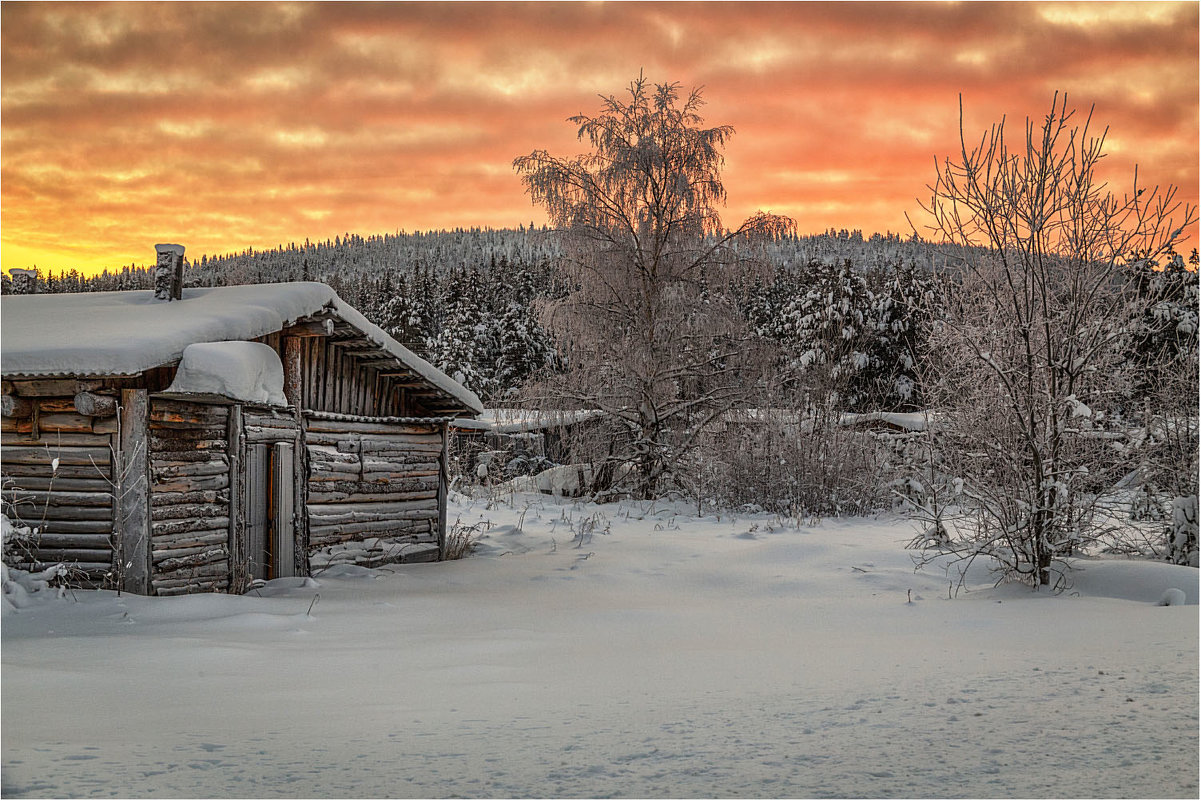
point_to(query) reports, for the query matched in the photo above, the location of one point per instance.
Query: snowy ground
(667, 656)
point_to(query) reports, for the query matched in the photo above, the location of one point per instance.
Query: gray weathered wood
(75, 526)
(191, 483)
(93, 405)
(15, 406)
(257, 512)
(132, 489)
(57, 497)
(197, 524)
(47, 387)
(292, 370)
(41, 484)
(51, 539)
(283, 529)
(66, 455)
(55, 439)
(239, 577)
(443, 483)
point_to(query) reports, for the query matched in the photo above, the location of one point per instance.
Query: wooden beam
(292, 370)
(131, 519)
(93, 405)
(15, 407)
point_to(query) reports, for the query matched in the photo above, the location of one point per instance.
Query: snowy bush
(22, 588)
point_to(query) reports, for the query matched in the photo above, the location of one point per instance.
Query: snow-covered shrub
(797, 464)
(1182, 535)
(22, 588)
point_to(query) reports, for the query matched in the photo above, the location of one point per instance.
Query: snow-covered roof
(517, 421)
(125, 333)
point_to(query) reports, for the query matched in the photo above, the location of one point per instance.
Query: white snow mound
(242, 371)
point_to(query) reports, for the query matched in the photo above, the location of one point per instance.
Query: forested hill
(468, 301)
(349, 258)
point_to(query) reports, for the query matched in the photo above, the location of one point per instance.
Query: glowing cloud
(227, 126)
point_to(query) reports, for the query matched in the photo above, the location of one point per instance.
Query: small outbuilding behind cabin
(198, 439)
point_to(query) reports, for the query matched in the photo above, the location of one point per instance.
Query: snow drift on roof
(124, 333)
(242, 371)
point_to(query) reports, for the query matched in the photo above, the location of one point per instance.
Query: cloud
(239, 125)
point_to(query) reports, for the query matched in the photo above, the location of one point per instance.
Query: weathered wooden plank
(409, 484)
(15, 407)
(322, 536)
(57, 497)
(40, 484)
(191, 483)
(271, 434)
(40, 511)
(178, 561)
(94, 555)
(73, 526)
(164, 471)
(50, 539)
(105, 425)
(274, 420)
(131, 523)
(55, 405)
(292, 370)
(65, 421)
(47, 387)
(189, 539)
(385, 477)
(171, 458)
(200, 496)
(186, 511)
(320, 498)
(54, 439)
(383, 508)
(93, 405)
(20, 471)
(213, 570)
(325, 454)
(166, 527)
(93, 568)
(159, 554)
(212, 429)
(319, 521)
(169, 438)
(165, 408)
(66, 455)
(239, 578)
(443, 484)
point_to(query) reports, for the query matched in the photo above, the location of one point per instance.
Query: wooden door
(269, 510)
(283, 560)
(258, 509)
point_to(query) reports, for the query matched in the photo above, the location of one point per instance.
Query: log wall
(189, 497)
(57, 477)
(375, 489)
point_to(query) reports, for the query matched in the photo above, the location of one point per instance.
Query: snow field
(663, 656)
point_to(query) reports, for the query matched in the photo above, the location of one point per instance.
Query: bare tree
(1032, 339)
(649, 333)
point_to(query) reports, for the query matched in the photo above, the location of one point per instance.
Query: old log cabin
(196, 440)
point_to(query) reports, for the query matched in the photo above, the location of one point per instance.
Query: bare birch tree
(649, 333)
(1031, 342)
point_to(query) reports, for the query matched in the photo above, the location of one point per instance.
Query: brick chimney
(168, 272)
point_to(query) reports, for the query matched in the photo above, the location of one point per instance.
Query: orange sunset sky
(228, 126)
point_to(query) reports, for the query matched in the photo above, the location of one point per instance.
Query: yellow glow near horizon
(228, 126)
